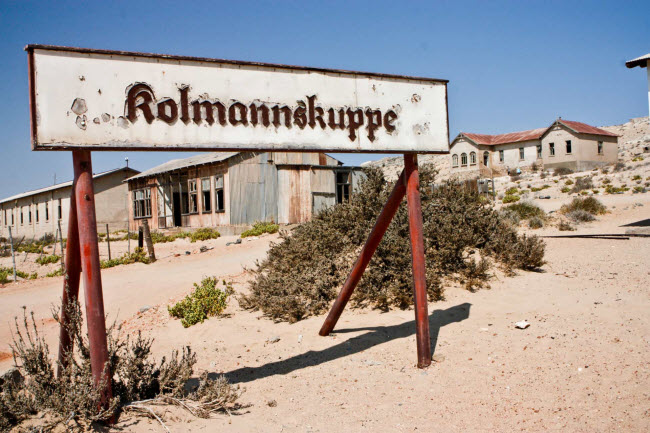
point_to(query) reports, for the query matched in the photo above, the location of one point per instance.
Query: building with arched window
(564, 143)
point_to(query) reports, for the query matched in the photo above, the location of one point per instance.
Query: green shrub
(204, 234)
(565, 189)
(541, 188)
(582, 184)
(564, 226)
(260, 228)
(44, 260)
(512, 191)
(303, 273)
(510, 199)
(639, 189)
(526, 210)
(136, 256)
(595, 191)
(568, 182)
(587, 204)
(58, 272)
(609, 189)
(205, 301)
(607, 181)
(636, 177)
(7, 274)
(536, 223)
(637, 159)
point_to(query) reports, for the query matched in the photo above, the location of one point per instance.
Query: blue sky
(511, 65)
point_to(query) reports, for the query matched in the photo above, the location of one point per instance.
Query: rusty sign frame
(388, 142)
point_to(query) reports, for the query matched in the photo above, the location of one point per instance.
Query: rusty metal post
(70, 281)
(417, 254)
(377, 233)
(89, 251)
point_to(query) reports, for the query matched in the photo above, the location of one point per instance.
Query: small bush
(564, 226)
(607, 181)
(58, 272)
(509, 216)
(512, 191)
(515, 178)
(44, 260)
(565, 189)
(7, 274)
(588, 204)
(595, 191)
(582, 183)
(568, 182)
(136, 256)
(205, 301)
(526, 210)
(580, 216)
(619, 166)
(609, 189)
(637, 159)
(260, 228)
(562, 171)
(636, 177)
(204, 234)
(639, 190)
(536, 223)
(510, 199)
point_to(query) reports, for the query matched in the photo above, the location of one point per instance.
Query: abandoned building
(239, 189)
(35, 213)
(565, 143)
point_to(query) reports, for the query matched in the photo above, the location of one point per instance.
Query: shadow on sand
(375, 336)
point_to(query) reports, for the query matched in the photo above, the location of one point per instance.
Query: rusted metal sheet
(108, 100)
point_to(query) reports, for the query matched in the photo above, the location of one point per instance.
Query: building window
(36, 211)
(551, 149)
(501, 157)
(206, 197)
(5, 217)
(342, 186)
(22, 218)
(568, 147)
(600, 148)
(472, 158)
(463, 159)
(218, 193)
(47, 211)
(454, 160)
(194, 208)
(29, 214)
(486, 158)
(539, 150)
(12, 217)
(59, 210)
(142, 203)
(521, 153)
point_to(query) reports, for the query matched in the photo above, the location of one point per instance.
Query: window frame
(22, 216)
(192, 197)
(539, 151)
(47, 211)
(522, 154)
(551, 149)
(207, 209)
(472, 158)
(141, 205)
(343, 189)
(454, 160)
(60, 210)
(568, 147)
(600, 148)
(219, 189)
(502, 156)
(463, 159)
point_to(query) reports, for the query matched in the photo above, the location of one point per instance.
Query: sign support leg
(377, 233)
(89, 251)
(70, 281)
(417, 254)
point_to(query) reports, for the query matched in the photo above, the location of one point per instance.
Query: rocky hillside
(634, 136)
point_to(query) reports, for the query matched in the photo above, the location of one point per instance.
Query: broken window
(454, 160)
(463, 159)
(206, 197)
(60, 211)
(343, 186)
(194, 208)
(539, 150)
(600, 148)
(37, 213)
(47, 211)
(521, 153)
(142, 203)
(218, 193)
(501, 157)
(568, 147)
(486, 158)
(472, 158)
(551, 149)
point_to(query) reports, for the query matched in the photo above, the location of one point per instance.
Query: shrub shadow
(376, 335)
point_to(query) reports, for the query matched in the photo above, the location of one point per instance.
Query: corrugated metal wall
(254, 188)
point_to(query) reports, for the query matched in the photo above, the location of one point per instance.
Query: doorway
(177, 209)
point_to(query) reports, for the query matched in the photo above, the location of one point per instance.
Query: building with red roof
(564, 143)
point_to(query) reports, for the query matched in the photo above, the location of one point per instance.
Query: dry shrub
(303, 272)
(73, 396)
(580, 215)
(562, 171)
(582, 184)
(536, 223)
(587, 204)
(526, 210)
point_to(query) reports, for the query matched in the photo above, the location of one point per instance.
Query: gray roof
(192, 161)
(639, 61)
(62, 185)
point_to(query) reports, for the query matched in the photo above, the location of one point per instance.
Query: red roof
(533, 134)
(584, 128)
(511, 137)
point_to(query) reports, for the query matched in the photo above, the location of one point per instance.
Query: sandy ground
(581, 366)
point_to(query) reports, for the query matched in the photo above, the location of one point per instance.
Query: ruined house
(238, 189)
(564, 143)
(35, 213)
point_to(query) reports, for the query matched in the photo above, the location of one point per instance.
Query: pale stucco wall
(459, 147)
(584, 149)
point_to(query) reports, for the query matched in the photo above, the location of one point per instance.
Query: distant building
(35, 213)
(565, 143)
(642, 62)
(236, 189)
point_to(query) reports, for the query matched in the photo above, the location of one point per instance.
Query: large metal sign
(108, 100)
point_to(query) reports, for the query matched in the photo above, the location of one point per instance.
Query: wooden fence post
(147, 238)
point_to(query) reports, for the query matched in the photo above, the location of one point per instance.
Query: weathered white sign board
(106, 100)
